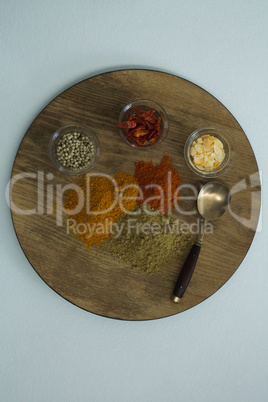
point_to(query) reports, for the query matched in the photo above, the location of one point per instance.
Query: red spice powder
(159, 183)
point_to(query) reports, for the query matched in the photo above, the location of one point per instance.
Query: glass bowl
(74, 149)
(145, 105)
(224, 160)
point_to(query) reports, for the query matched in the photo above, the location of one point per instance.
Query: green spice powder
(148, 241)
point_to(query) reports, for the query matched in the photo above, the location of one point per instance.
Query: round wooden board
(95, 281)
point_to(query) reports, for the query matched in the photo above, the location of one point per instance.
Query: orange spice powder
(102, 197)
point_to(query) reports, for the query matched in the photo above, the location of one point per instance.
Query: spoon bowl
(213, 200)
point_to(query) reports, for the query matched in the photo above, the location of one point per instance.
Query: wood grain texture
(93, 280)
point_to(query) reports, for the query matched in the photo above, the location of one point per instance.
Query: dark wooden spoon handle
(186, 272)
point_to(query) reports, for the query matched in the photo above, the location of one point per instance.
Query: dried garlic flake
(207, 152)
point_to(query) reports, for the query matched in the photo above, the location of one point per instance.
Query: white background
(53, 351)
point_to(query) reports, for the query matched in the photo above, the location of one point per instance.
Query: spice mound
(75, 150)
(142, 127)
(102, 206)
(207, 152)
(159, 183)
(149, 241)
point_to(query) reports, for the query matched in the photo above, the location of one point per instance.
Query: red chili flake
(142, 127)
(127, 124)
(141, 133)
(138, 112)
(148, 115)
(134, 130)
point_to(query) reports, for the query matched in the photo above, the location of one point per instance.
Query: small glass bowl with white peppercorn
(74, 149)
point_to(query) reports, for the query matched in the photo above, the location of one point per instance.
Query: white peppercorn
(75, 150)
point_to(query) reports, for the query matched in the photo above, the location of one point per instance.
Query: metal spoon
(212, 201)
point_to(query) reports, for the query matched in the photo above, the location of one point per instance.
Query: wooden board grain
(93, 280)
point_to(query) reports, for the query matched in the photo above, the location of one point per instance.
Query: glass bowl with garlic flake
(209, 152)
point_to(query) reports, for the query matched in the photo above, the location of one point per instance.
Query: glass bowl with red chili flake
(143, 124)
